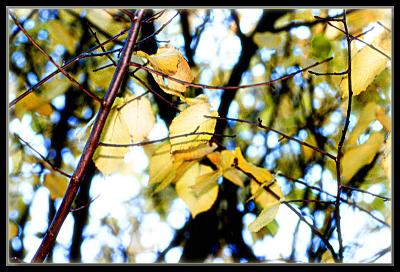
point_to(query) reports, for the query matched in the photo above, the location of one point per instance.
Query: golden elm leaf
(169, 61)
(262, 197)
(161, 164)
(205, 183)
(196, 152)
(260, 174)
(34, 103)
(130, 120)
(234, 176)
(357, 157)
(366, 65)
(366, 116)
(138, 117)
(327, 257)
(383, 118)
(266, 216)
(12, 230)
(59, 33)
(202, 98)
(192, 120)
(307, 151)
(187, 194)
(56, 184)
(387, 157)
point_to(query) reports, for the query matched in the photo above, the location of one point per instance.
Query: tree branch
(92, 143)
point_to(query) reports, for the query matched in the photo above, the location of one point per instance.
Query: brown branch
(55, 168)
(76, 83)
(260, 125)
(67, 64)
(204, 86)
(92, 142)
(17, 30)
(341, 141)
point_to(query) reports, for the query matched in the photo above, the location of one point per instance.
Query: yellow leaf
(266, 216)
(161, 165)
(202, 98)
(327, 257)
(383, 118)
(138, 117)
(387, 157)
(195, 153)
(205, 183)
(366, 65)
(166, 59)
(34, 103)
(130, 120)
(260, 174)
(269, 40)
(188, 195)
(192, 120)
(264, 198)
(366, 116)
(234, 175)
(60, 34)
(170, 61)
(224, 161)
(12, 230)
(309, 152)
(56, 183)
(357, 157)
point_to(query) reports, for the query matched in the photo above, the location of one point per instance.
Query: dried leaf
(266, 216)
(56, 184)
(129, 121)
(192, 120)
(366, 65)
(260, 174)
(196, 204)
(355, 158)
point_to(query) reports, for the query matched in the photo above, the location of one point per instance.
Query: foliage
(247, 150)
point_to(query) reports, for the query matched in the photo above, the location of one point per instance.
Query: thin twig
(260, 125)
(55, 168)
(67, 64)
(309, 201)
(102, 47)
(385, 27)
(341, 141)
(159, 30)
(362, 41)
(17, 30)
(76, 83)
(165, 139)
(204, 86)
(365, 192)
(84, 206)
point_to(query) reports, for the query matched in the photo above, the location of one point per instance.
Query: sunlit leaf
(307, 151)
(383, 118)
(225, 162)
(161, 165)
(56, 184)
(366, 116)
(327, 257)
(192, 120)
(321, 47)
(355, 158)
(366, 65)
(196, 152)
(196, 204)
(262, 196)
(59, 33)
(33, 103)
(260, 174)
(12, 230)
(130, 120)
(170, 61)
(266, 216)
